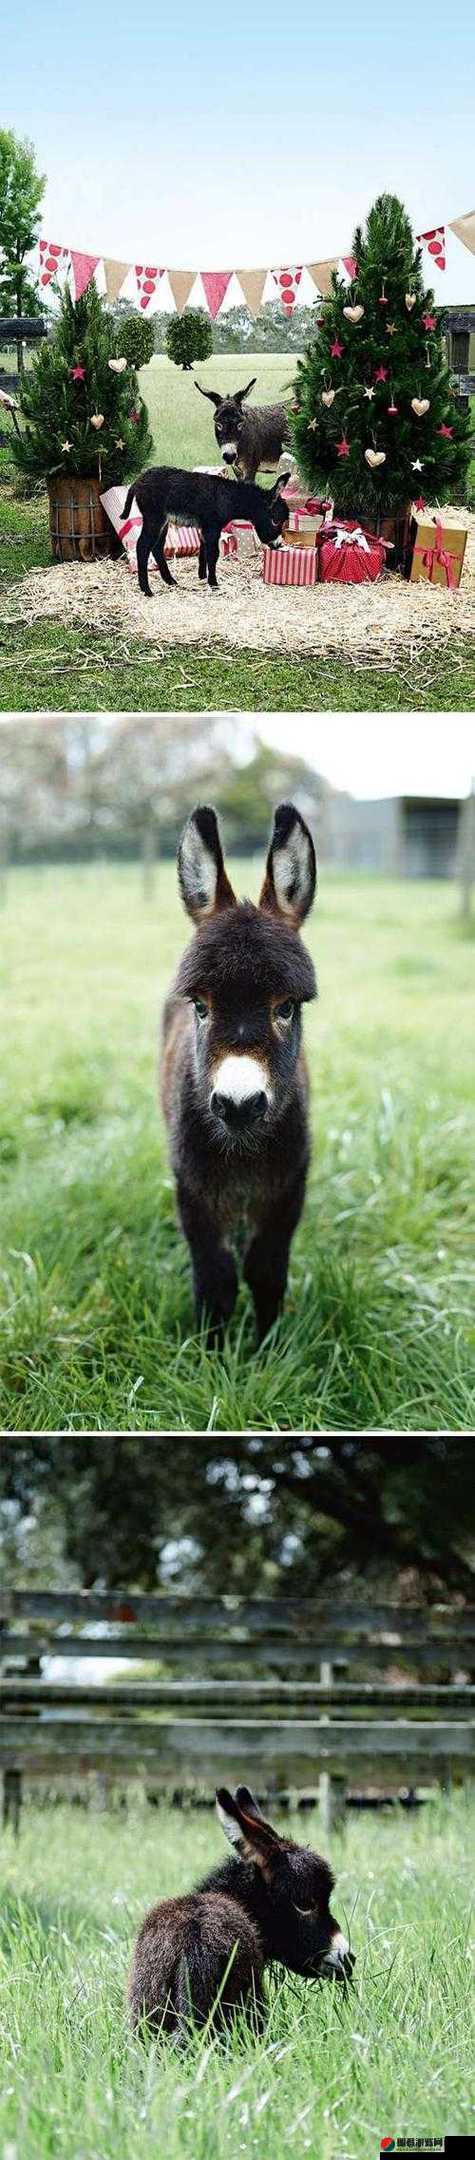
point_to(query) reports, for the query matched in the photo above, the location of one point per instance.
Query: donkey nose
(239, 1115)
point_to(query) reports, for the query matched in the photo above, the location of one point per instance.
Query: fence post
(331, 1789)
(12, 1799)
(467, 857)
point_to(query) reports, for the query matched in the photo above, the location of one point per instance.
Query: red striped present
(290, 566)
(180, 540)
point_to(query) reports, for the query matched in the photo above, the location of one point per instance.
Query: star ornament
(66, 446)
(78, 373)
(447, 431)
(381, 374)
(343, 447)
(368, 393)
(429, 322)
(421, 503)
(391, 329)
(336, 350)
(417, 464)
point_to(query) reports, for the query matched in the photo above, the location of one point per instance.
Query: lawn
(331, 2075)
(46, 665)
(97, 1329)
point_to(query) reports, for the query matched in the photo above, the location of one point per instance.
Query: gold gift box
(431, 541)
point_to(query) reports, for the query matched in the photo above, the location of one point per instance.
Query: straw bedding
(363, 622)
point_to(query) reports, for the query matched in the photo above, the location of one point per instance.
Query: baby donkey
(206, 500)
(234, 1079)
(203, 1955)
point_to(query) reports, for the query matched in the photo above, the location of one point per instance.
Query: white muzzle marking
(339, 1949)
(240, 1077)
(229, 449)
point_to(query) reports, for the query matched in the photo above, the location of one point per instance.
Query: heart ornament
(420, 405)
(375, 457)
(410, 298)
(353, 314)
(97, 419)
(328, 396)
(118, 366)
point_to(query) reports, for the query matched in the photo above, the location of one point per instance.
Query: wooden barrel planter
(80, 530)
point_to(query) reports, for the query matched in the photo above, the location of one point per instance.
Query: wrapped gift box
(180, 540)
(289, 566)
(349, 556)
(437, 551)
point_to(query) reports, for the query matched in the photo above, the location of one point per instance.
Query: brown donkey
(206, 1952)
(234, 1080)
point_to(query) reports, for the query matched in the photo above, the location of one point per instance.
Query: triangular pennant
(287, 280)
(115, 274)
(51, 258)
(464, 227)
(434, 241)
(83, 267)
(215, 285)
(181, 282)
(147, 275)
(252, 283)
(350, 265)
(322, 274)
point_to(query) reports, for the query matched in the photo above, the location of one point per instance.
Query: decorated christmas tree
(81, 407)
(375, 421)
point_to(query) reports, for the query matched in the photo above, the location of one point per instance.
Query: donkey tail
(128, 501)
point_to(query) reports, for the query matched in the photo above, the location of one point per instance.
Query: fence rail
(267, 1681)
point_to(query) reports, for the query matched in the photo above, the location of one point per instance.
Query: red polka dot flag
(287, 282)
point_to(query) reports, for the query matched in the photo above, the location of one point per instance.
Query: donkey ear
(240, 394)
(281, 482)
(291, 868)
(204, 886)
(242, 1822)
(214, 395)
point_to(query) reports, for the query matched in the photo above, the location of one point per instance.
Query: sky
(394, 754)
(205, 137)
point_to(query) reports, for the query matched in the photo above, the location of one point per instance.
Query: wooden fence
(282, 1693)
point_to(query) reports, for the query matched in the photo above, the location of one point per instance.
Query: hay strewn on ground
(354, 619)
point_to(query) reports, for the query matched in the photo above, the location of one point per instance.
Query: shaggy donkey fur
(234, 1081)
(270, 1903)
(203, 499)
(247, 439)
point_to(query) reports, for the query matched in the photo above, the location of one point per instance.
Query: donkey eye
(285, 1011)
(201, 1009)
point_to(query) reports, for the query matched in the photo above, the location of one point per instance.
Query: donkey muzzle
(239, 1116)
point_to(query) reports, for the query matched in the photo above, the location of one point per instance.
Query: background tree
(136, 340)
(189, 337)
(82, 411)
(375, 420)
(21, 194)
(245, 1514)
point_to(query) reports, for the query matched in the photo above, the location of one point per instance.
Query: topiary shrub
(189, 337)
(135, 340)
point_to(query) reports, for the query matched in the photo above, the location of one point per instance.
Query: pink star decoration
(429, 322)
(78, 373)
(448, 431)
(420, 504)
(343, 447)
(381, 374)
(336, 350)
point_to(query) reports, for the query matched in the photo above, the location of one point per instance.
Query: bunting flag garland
(287, 282)
(83, 267)
(215, 285)
(434, 241)
(115, 274)
(51, 258)
(148, 276)
(252, 284)
(322, 273)
(464, 228)
(181, 282)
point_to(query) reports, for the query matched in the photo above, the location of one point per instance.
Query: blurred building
(400, 835)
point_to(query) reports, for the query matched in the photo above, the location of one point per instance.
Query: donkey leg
(202, 566)
(215, 1279)
(144, 548)
(160, 556)
(267, 1259)
(212, 539)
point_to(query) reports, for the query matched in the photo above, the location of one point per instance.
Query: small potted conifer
(84, 424)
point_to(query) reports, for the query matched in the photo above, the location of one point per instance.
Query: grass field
(97, 1325)
(330, 2077)
(48, 666)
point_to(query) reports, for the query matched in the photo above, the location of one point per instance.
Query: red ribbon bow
(438, 554)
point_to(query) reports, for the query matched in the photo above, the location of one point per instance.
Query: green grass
(97, 1329)
(329, 2077)
(45, 665)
